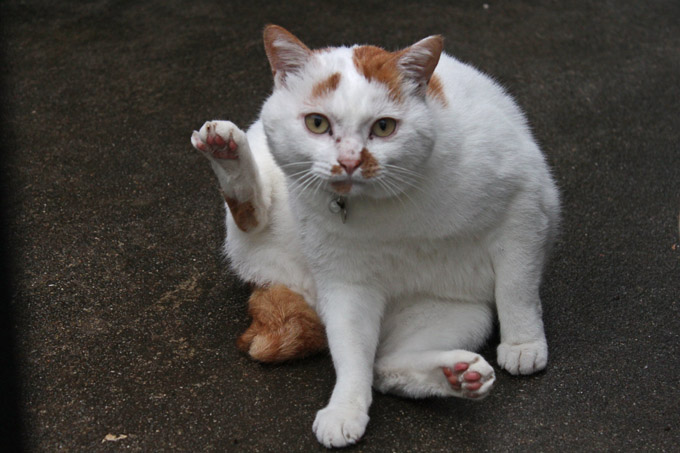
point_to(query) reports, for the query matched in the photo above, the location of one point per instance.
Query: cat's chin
(357, 188)
(350, 188)
(342, 187)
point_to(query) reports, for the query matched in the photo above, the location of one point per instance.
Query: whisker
(302, 180)
(293, 175)
(300, 176)
(405, 176)
(404, 171)
(390, 190)
(319, 184)
(391, 182)
(411, 184)
(309, 180)
(292, 164)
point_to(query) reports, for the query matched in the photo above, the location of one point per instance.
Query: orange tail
(284, 327)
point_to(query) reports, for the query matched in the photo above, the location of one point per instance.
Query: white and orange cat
(401, 196)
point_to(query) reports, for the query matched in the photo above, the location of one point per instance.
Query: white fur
(408, 284)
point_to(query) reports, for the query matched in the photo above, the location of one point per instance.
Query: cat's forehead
(359, 72)
(369, 63)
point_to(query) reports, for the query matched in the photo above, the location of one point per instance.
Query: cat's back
(470, 91)
(485, 148)
(480, 124)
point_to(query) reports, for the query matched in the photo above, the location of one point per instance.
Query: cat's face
(350, 121)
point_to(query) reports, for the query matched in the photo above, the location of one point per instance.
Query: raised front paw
(523, 358)
(339, 426)
(219, 139)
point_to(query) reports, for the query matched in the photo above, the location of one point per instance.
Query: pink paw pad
(467, 382)
(217, 145)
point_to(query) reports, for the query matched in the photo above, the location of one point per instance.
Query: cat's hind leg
(426, 350)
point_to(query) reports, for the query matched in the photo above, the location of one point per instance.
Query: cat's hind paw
(339, 426)
(524, 358)
(471, 378)
(218, 139)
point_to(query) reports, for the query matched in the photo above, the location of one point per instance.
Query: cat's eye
(316, 123)
(384, 127)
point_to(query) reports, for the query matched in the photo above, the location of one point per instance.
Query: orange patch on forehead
(380, 65)
(326, 86)
(435, 90)
(369, 164)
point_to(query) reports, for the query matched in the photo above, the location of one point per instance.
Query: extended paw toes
(472, 386)
(339, 427)
(216, 140)
(452, 377)
(461, 366)
(472, 379)
(472, 376)
(524, 358)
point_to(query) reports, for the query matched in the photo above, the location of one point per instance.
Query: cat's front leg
(227, 148)
(518, 265)
(352, 317)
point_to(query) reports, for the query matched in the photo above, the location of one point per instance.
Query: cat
(400, 197)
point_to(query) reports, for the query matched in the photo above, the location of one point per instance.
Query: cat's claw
(471, 379)
(339, 426)
(524, 358)
(217, 139)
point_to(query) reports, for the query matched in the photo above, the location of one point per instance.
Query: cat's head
(350, 120)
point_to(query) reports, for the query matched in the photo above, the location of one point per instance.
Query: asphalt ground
(125, 315)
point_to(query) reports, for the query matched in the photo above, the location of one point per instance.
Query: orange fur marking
(336, 170)
(326, 86)
(380, 65)
(369, 164)
(243, 213)
(284, 327)
(435, 90)
(342, 187)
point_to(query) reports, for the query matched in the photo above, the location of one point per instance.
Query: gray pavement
(126, 315)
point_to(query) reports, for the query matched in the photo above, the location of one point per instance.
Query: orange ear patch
(380, 65)
(435, 90)
(416, 63)
(243, 213)
(326, 86)
(284, 326)
(369, 164)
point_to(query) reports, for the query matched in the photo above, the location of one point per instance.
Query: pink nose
(349, 164)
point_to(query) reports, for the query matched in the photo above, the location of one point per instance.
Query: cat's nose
(349, 164)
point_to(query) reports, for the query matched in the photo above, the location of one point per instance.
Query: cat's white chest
(444, 268)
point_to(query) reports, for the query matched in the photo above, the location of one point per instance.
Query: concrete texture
(124, 311)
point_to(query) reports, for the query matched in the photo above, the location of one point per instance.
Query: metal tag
(339, 206)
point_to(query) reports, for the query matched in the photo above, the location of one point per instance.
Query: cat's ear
(285, 52)
(417, 63)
